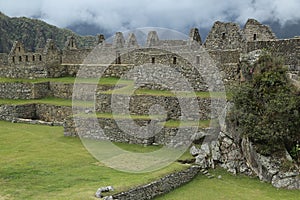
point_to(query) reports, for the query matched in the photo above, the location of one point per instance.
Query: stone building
(225, 43)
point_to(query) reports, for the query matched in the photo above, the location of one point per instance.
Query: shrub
(267, 106)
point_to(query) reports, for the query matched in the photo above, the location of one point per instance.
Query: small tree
(267, 107)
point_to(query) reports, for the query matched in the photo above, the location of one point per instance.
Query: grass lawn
(48, 100)
(127, 86)
(229, 187)
(38, 162)
(177, 123)
(103, 81)
(38, 80)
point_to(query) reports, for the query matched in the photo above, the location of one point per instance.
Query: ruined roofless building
(225, 42)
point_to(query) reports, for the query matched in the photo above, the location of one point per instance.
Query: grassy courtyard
(38, 162)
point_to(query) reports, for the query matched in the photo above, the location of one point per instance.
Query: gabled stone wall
(255, 31)
(224, 36)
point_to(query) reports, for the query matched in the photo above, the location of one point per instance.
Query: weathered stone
(225, 43)
(255, 31)
(215, 150)
(108, 198)
(195, 36)
(118, 41)
(160, 186)
(131, 42)
(101, 190)
(152, 39)
(205, 148)
(288, 180)
(198, 136)
(201, 160)
(194, 151)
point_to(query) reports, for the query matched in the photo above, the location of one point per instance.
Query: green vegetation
(38, 80)
(103, 81)
(229, 187)
(49, 100)
(38, 162)
(137, 148)
(177, 123)
(34, 33)
(126, 86)
(267, 107)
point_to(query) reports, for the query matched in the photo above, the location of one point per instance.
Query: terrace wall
(160, 186)
(44, 112)
(24, 90)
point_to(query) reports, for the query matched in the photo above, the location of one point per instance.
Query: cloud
(114, 15)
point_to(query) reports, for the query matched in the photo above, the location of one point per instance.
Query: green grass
(126, 86)
(170, 123)
(118, 116)
(229, 187)
(38, 80)
(177, 123)
(129, 88)
(49, 100)
(137, 148)
(71, 80)
(38, 162)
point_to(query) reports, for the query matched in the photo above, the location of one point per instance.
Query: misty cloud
(114, 15)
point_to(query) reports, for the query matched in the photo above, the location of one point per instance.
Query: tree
(267, 107)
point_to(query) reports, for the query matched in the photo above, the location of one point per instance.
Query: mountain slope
(34, 34)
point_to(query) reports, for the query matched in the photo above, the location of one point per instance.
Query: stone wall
(255, 31)
(27, 90)
(10, 112)
(40, 90)
(238, 155)
(165, 65)
(224, 36)
(44, 112)
(227, 62)
(287, 48)
(140, 105)
(61, 90)
(159, 187)
(75, 56)
(52, 113)
(110, 130)
(34, 71)
(71, 69)
(3, 59)
(29, 72)
(188, 73)
(24, 90)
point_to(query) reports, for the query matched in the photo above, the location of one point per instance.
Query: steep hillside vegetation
(34, 33)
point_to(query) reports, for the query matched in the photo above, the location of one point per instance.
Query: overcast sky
(115, 15)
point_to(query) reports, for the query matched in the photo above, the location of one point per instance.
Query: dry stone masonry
(227, 44)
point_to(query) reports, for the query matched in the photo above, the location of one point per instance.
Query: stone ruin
(227, 44)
